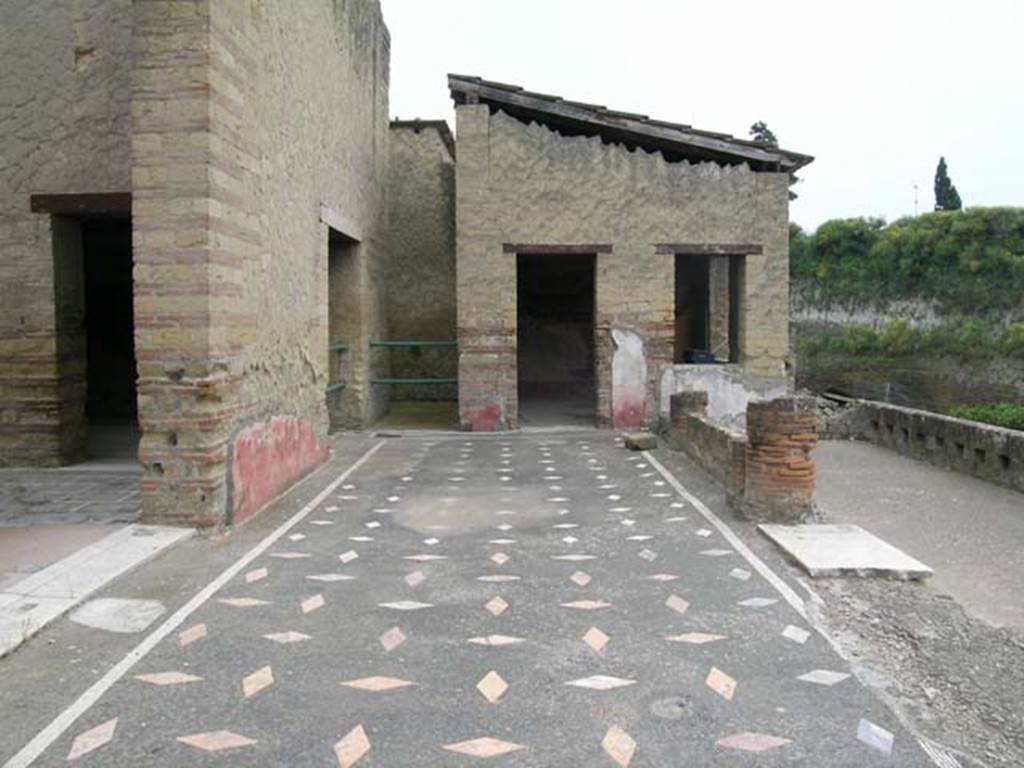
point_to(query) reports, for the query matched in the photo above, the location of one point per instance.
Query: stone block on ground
(843, 550)
(640, 441)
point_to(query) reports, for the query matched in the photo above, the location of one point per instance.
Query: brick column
(781, 434)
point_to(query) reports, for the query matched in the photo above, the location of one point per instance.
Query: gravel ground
(955, 679)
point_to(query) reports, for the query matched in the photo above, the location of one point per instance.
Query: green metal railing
(412, 345)
(338, 385)
(339, 348)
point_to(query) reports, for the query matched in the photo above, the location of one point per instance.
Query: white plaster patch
(118, 615)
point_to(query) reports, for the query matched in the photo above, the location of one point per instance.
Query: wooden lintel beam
(556, 248)
(708, 249)
(83, 204)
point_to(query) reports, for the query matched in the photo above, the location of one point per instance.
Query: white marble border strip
(30, 604)
(28, 754)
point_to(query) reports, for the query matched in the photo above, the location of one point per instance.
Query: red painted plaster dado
(269, 456)
(483, 418)
(629, 380)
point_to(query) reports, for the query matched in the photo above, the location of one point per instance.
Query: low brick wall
(720, 452)
(991, 453)
(768, 473)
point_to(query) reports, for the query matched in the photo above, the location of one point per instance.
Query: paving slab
(434, 609)
(29, 604)
(843, 550)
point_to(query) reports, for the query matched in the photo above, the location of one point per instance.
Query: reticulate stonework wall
(421, 253)
(518, 183)
(64, 122)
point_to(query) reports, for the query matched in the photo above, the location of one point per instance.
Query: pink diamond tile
(242, 602)
(377, 683)
(587, 605)
(330, 577)
(391, 639)
(352, 747)
(796, 634)
(312, 603)
(677, 604)
(425, 558)
(92, 739)
(484, 747)
(167, 678)
(721, 683)
(348, 557)
(662, 577)
(596, 639)
(492, 686)
(286, 637)
(496, 606)
(495, 640)
(752, 742)
(601, 682)
(580, 578)
(258, 575)
(696, 638)
(415, 578)
(619, 745)
(406, 605)
(257, 681)
(497, 578)
(574, 558)
(190, 635)
(215, 741)
(289, 555)
(499, 557)
(647, 555)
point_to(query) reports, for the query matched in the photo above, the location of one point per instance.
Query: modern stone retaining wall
(768, 473)
(991, 453)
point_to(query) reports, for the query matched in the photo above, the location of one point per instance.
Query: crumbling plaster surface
(315, 115)
(729, 388)
(421, 257)
(522, 183)
(64, 121)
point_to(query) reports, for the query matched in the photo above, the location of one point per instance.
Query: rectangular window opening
(708, 308)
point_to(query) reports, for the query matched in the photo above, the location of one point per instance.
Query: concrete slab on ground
(843, 550)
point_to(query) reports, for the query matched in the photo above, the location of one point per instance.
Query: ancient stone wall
(421, 255)
(255, 126)
(64, 121)
(518, 183)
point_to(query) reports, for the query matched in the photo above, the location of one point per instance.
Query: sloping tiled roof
(675, 140)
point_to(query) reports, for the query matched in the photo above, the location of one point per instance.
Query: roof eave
(640, 128)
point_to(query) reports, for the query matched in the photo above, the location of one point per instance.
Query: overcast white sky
(876, 91)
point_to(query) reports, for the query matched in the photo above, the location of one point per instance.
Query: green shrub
(1009, 415)
(971, 263)
(970, 340)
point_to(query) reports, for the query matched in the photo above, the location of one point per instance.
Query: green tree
(946, 196)
(762, 134)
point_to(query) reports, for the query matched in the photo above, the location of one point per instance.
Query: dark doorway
(111, 406)
(692, 340)
(555, 339)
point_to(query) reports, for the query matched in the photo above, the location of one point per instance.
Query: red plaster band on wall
(267, 457)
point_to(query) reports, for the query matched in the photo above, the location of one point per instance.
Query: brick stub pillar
(780, 472)
(683, 404)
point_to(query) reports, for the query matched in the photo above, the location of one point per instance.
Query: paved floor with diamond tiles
(545, 600)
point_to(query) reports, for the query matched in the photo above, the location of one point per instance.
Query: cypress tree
(946, 196)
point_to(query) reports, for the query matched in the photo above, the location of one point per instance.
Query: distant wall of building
(65, 99)
(421, 254)
(518, 183)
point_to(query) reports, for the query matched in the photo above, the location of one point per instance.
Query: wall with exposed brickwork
(518, 183)
(64, 121)
(421, 253)
(250, 118)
